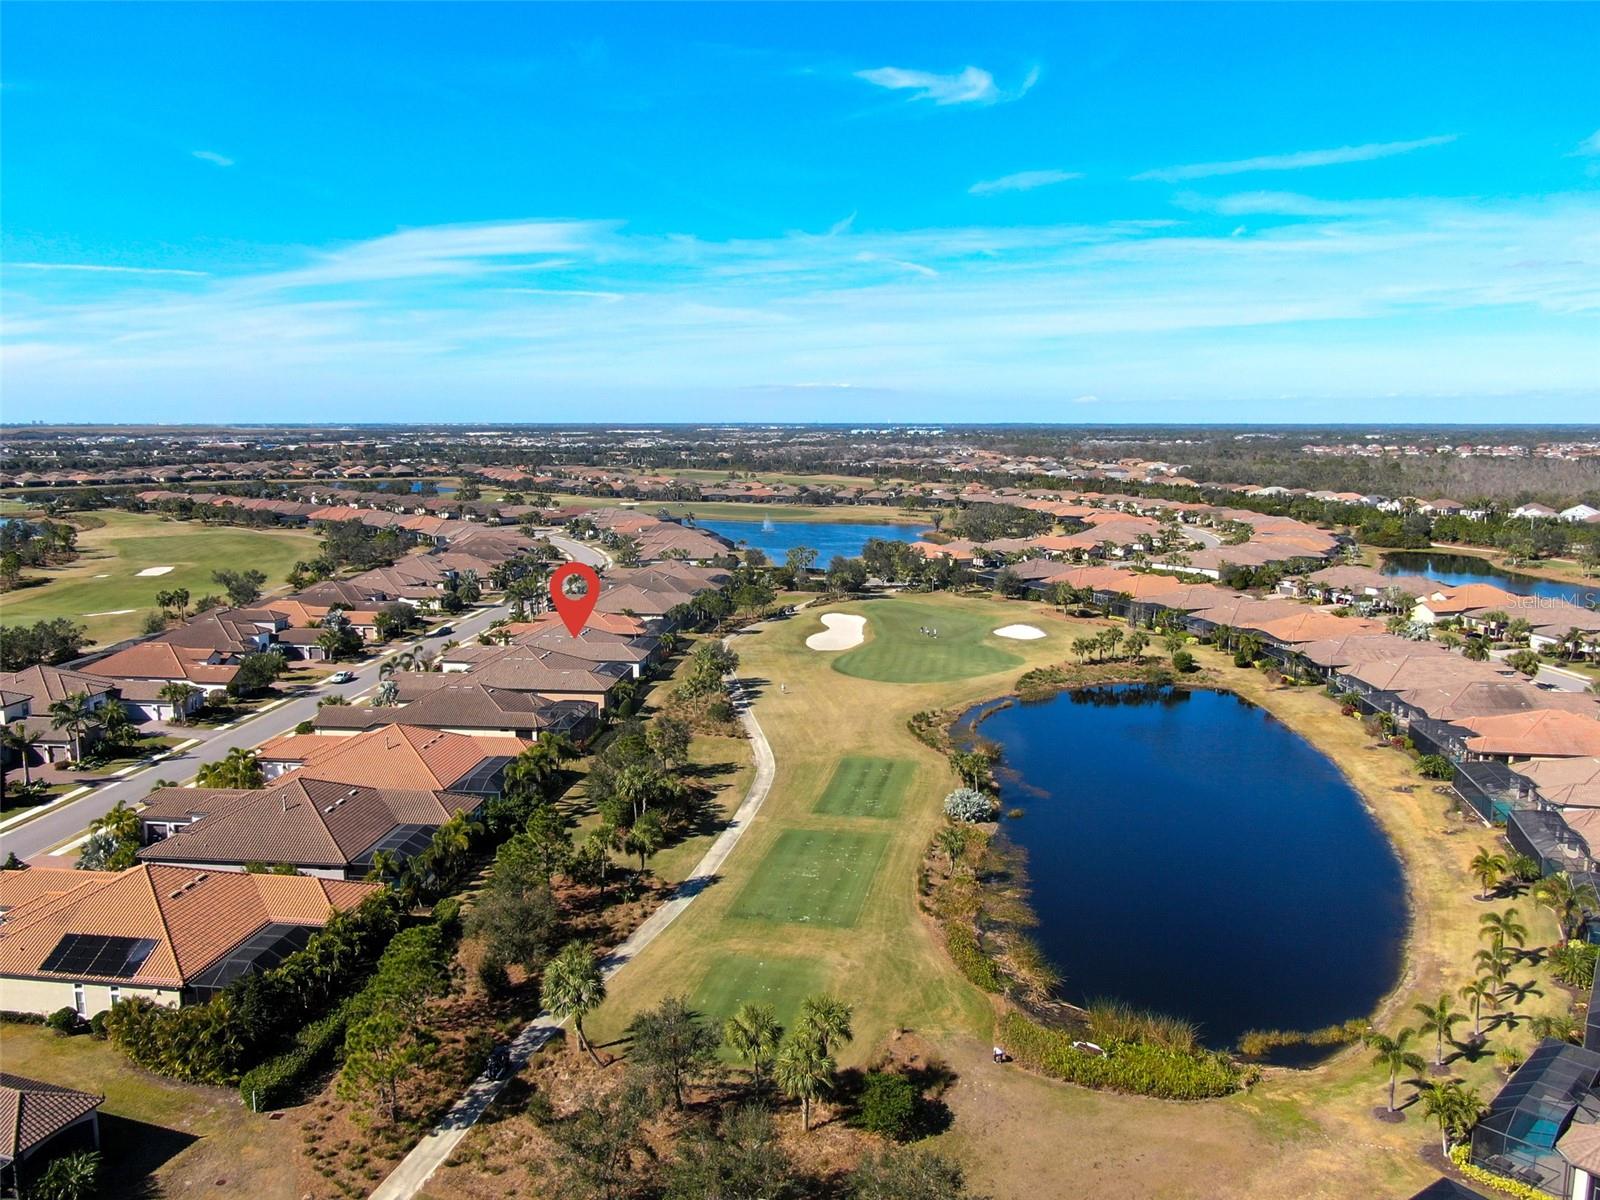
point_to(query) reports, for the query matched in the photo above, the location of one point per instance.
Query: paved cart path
(414, 1171)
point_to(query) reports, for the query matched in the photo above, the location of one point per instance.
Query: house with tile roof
(173, 935)
(39, 1120)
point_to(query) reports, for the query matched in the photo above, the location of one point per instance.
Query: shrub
(970, 960)
(1461, 1156)
(969, 806)
(1434, 766)
(1115, 1021)
(306, 727)
(279, 1078)
(64, 1021)
(1137, 1068)
(447, 915)
(493, 976)
(888, 1105)
(97, 1026)
(1573, 964)
(68, 1177)
(1183, 662)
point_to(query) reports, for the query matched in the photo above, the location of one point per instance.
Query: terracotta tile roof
(192, 917)
(307, 822)
(405, 756)
(160, 660)
(22, 887)
(45, 685)
(1549, 733)
(33, 1112)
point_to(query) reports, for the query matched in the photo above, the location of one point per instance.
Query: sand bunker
(151, 571)
(1021, 633)
(111, 612)
(844, 631)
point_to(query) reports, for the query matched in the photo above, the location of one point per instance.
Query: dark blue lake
(829, 539)
(1190, 854)
(1465, 568)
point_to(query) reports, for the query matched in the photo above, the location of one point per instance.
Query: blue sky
(1046, 212)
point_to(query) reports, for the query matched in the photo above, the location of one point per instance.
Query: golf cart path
(413, 1172)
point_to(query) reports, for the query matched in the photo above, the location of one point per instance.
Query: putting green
(898, 651)
(735, 979)
(813, 877)
(863, 786)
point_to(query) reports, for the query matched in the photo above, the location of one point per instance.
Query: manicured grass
(775, 979)
(160, 1138)
(897, 651)
(863, 786)
(131, 542)
(816, 877)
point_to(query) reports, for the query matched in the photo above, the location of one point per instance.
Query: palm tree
(1391, 1053)
(1563, 1027)
(827, 1018)
(73, 714)
(952, 843)
(1482, 990)
(178, 695)
(388, 694)
(1501, 928)
(1437, 1020)
(573, 987)
(753, 1034)
(1487, 868)
(1567, 901)
(804, 1071)
(1455, 1107)
(116, 724)
(647, 836)
(22, 739)
(386, 864)
(1495, 962)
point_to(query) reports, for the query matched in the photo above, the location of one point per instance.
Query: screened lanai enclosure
(1551, 1099)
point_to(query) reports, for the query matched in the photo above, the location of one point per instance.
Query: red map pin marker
(574, 610)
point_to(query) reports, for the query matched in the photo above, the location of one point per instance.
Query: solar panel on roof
(98, 955)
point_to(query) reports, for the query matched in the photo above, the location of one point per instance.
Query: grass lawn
(160, 1137)
(815, 876)
(864, 786)
(1304, 1134)
(103, 590)
(779, 980)
(897, 651)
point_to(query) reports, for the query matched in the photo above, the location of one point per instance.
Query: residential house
(86, 939)
(39, 1120)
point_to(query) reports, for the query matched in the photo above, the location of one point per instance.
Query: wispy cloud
(971, 85)
(1588, 148)
(1467, 295)
(212, 157)
(1298, 161)
(1022, 181)
(103, 268)
(1280, 204)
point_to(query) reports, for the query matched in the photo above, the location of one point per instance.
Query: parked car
(444, 631)
(341, 677)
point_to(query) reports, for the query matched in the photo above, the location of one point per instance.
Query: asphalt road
(65, 822)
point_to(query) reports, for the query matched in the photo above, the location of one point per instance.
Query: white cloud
(1459, 295)
(1021, 181)
(212, 157)
(971, 85)
(1297, 161)
(1587, 148)
(102, 268)
(1282, 204)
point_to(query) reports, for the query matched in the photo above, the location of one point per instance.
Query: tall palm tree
(1437, 1019)
(804, 1071)
(74, 715)
(1482, 990)
(573, 986)
(828, 1019)
(178, 695)
(22, 739)
(952, 843)
(753, 1034)
(1568, 901)
(1392, 1054)
(1502, 928)
(1487, 867)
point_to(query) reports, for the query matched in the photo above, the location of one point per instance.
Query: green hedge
(969, 958)
(1139, 1068)
(280, 1078)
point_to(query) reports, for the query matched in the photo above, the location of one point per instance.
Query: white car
(341, 677)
